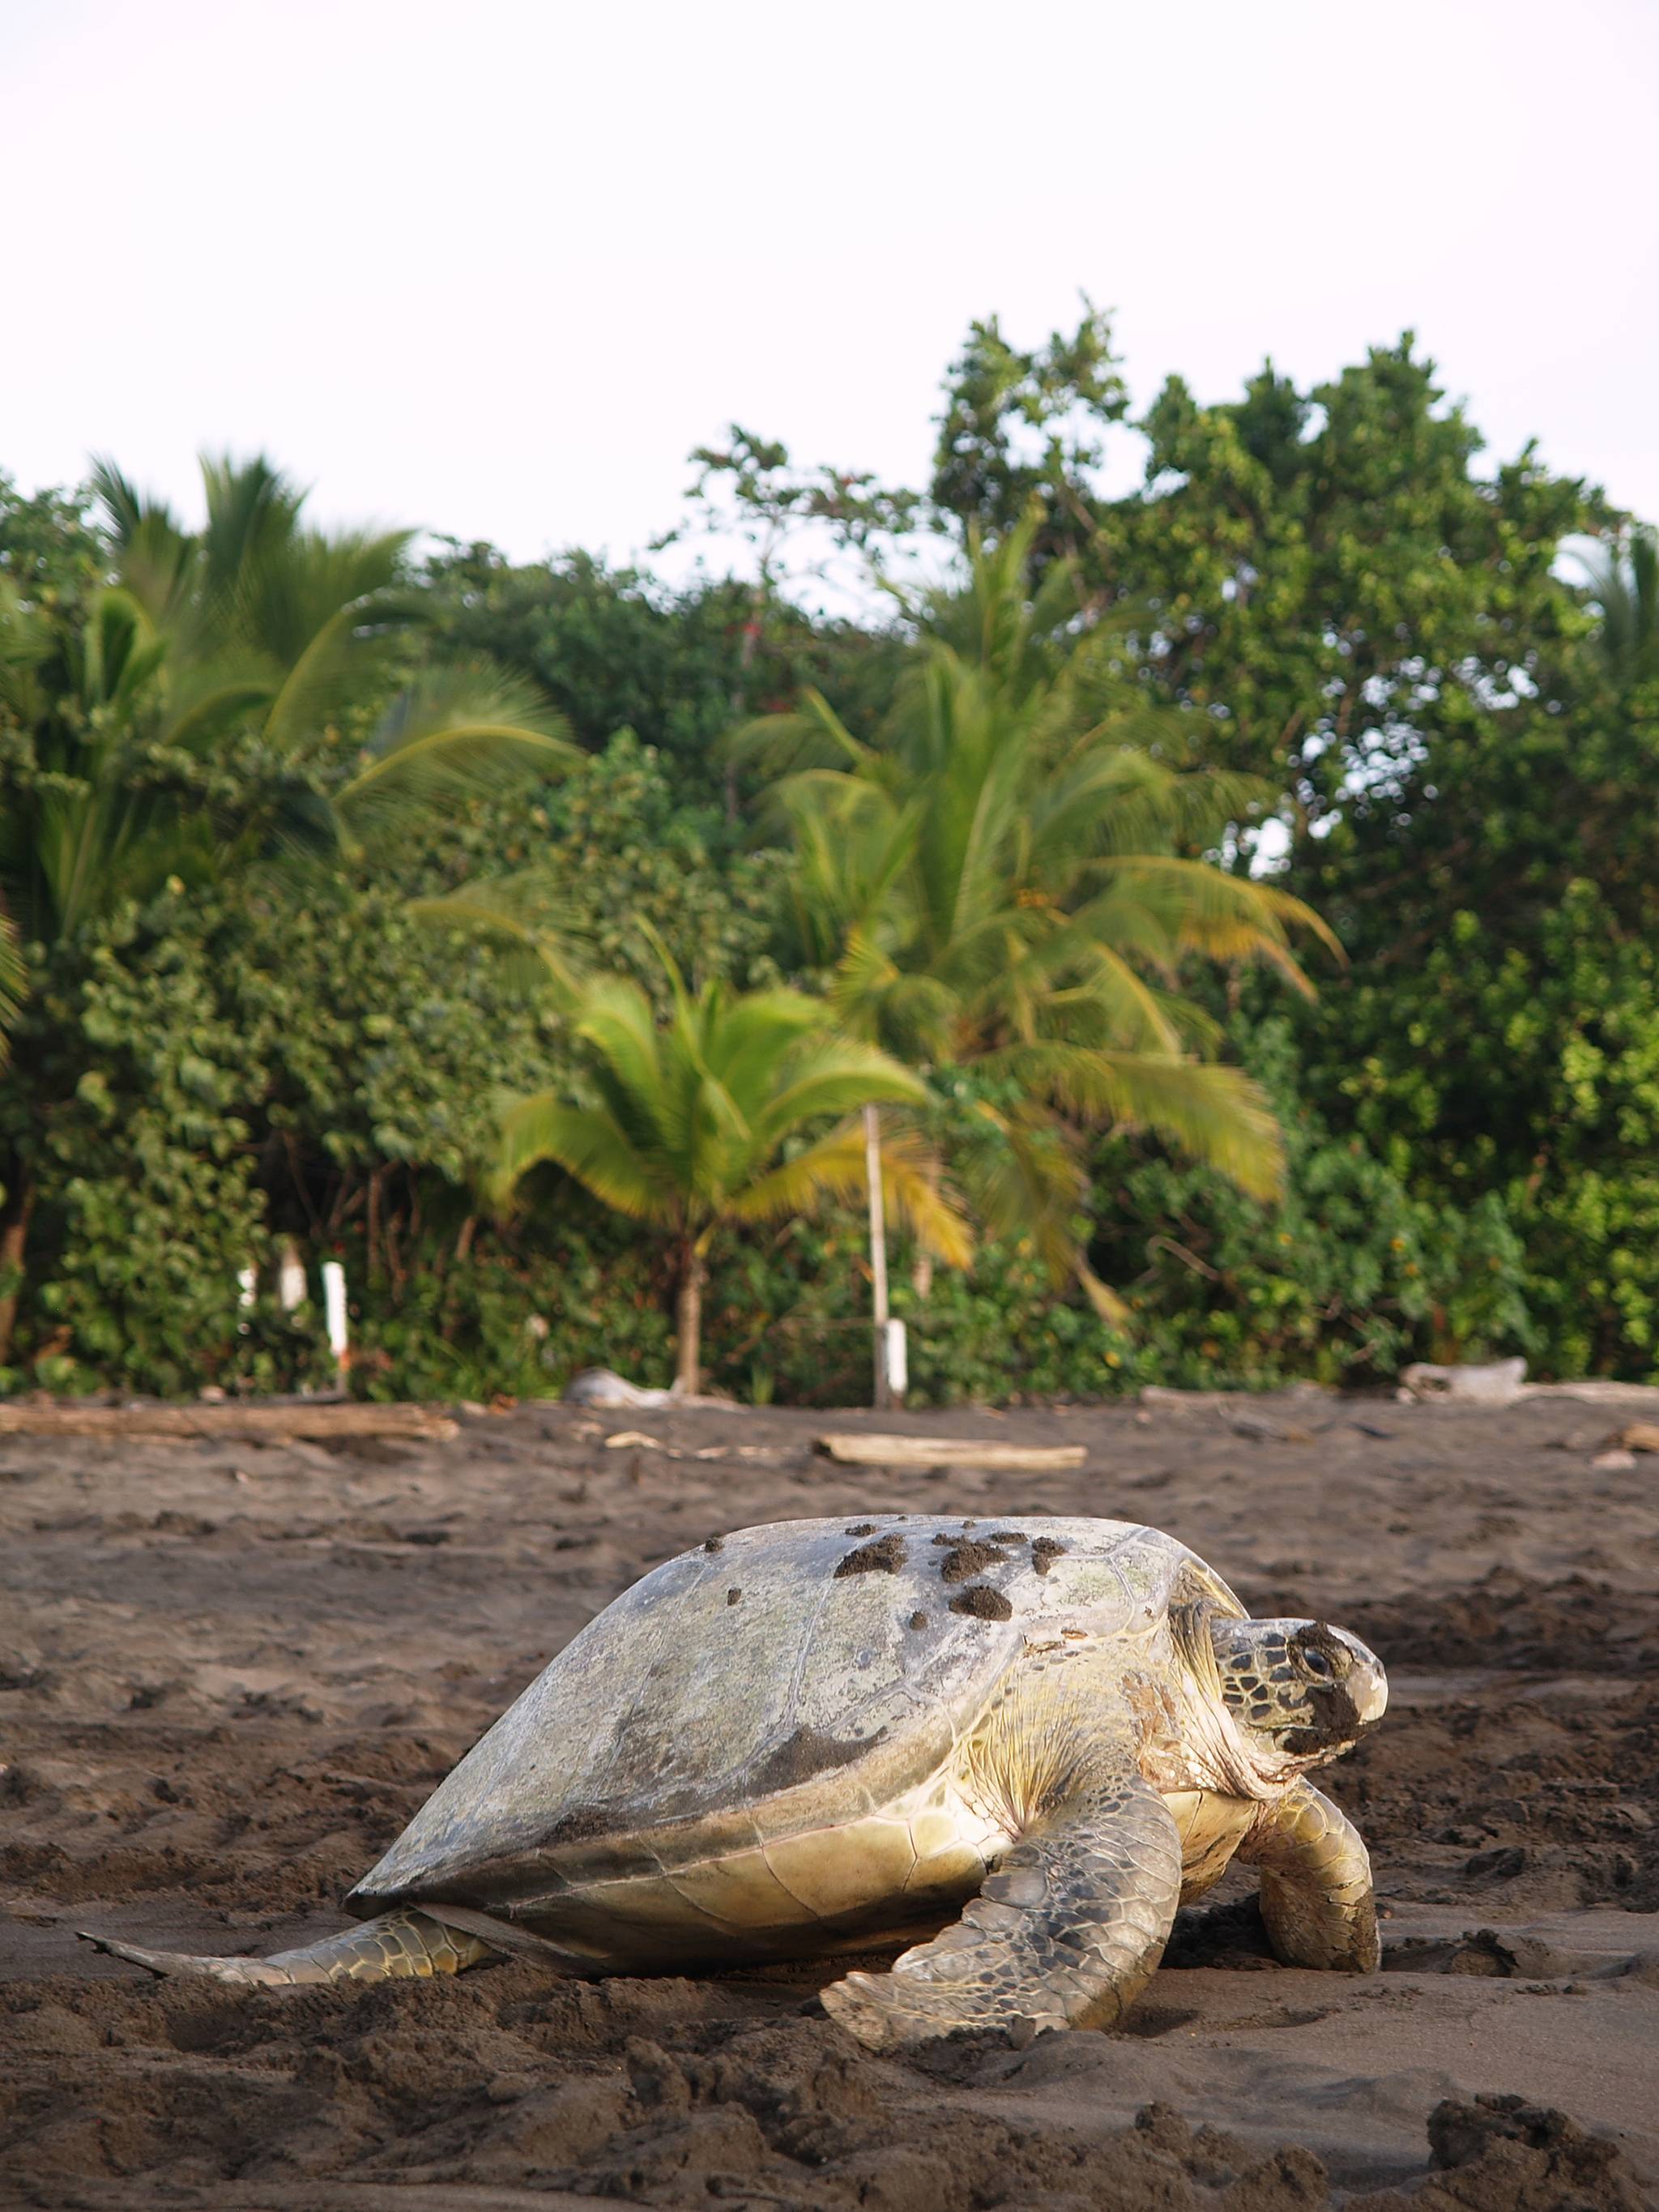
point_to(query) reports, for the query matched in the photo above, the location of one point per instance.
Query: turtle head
(1299, 1688)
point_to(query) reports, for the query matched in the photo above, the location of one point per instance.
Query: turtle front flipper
(1317, 1898)
(398, 1946)
(1066, 1933)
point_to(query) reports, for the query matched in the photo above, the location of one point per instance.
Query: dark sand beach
(228, 1674)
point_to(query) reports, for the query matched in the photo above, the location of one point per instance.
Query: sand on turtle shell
(229, 1675)
(885, 1557)
(969, 1557)
(982, 1603)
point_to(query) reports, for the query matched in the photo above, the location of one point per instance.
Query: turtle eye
(1318, 1665)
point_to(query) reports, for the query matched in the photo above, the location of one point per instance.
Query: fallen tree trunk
(853, 1448)
(1592, 1391)
(318, 1424)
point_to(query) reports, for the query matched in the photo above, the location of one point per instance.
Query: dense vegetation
(1239, 896)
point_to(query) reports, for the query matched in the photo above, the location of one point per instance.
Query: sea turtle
(1027, 1743)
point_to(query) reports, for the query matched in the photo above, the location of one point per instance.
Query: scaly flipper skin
(1316, 1900)
(1066, 1933)
(396, 1948)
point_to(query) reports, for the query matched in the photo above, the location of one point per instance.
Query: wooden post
(877, 1249)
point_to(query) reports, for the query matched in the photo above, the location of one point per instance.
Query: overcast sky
(494, 268)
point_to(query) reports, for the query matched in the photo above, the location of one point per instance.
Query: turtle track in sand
(660, 2093)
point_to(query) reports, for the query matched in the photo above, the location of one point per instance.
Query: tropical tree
(13, 983)
(231, 692)
(1624, 580)
(1011, 883)
(700, 1123)
(188, 703)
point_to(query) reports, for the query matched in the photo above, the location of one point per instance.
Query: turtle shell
(792, 1677)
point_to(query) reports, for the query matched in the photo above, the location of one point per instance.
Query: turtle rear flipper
(398, 1946)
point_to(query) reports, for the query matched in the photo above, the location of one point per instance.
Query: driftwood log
(1495, 1382)
(856, 1448)
(318, 1424)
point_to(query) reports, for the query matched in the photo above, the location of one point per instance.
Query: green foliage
(694, 1123)
(1322, 573)
(622, 849)
(791, 1313)
(1344, 1279)
(786, 1316)
(1474, 776)
(50, 551)
(1624, 579)
(308, 1058)
(1520, 1065)
(288, 832)
(1004, 882)
(192, 714)
(1466, 745)
(149, 1200)
(1025, 429)
(613, 649)
(160, 735)
(522, 1308)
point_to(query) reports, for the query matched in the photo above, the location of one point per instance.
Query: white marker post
(291, 1277)
(877, 1251)
(898, 1372)
(334, 1315)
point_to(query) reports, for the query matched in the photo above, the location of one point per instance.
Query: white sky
(494, 268)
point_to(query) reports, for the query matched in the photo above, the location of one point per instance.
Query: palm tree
(1624, 580)
(233, 692)
(296, 637)
(1009, 883)
(692, 1124)
(13, 983)
(228, 694)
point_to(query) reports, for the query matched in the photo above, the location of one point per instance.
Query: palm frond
(321, 679)
(125, 506)
(587, 1144)
(453, 736)
(14, 984)
(1623, 578)
(209, 701)
(524, 914)
(1217, 1115)
(813, 736)
(749, 1038)
(835, 1167)
(616, 1020)
(833, 1075)
(1206, 910)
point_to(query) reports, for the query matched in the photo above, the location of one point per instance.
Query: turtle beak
(1367, 1685)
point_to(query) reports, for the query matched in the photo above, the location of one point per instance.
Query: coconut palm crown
(228, 691)
(1009, 880)
(210, 699)
(701, 1123)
